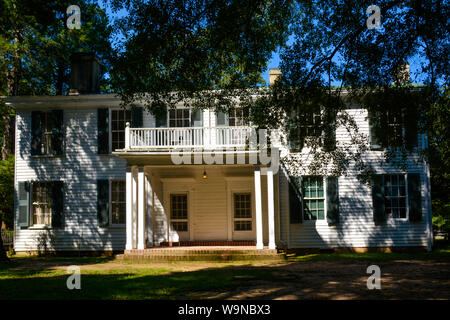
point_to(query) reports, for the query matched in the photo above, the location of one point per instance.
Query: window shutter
(161, 118)
(197, 118)
(57, 199)
(36, 132)
(57, 132)
(23, 194)
(414, 197)
(103, 202)
(103, 131)
(295, 202)
(329, 141)
(375, 143)
(333, 200)
(411, 125)
(137, 114)
(379, 213)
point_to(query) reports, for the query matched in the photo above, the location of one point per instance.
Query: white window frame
(242, 219)
(172, 220)
(325, 209)
(39, 225)
(405, 177)
(110, 126)
(175, 109)
(118, 225)
(46, 137)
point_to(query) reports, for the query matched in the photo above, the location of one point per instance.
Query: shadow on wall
(79, 168)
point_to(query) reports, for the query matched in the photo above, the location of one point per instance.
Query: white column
(134, 211)
(141, 220)
(258, 207)
(271, 209)
(129, 200)
(149, 215)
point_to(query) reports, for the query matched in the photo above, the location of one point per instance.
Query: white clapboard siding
(356, 227)
(79, 168)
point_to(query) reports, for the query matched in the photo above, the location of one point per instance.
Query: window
(395, 128)
(179, 118)
(119, 118)
(395, 196)
(236, 118)
(42, 209)
(314, 198)
(46, 146)
(242, 212)
(118, 203)
(179, 212)
(306, 124)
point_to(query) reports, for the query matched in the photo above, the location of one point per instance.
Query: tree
(198, 52)
(35, 49)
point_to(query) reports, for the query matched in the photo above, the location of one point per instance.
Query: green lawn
(106, 278)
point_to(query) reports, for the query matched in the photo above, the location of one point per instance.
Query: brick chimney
(85, 74)
(274, 74)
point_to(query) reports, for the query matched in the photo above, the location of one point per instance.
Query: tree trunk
(3, 256)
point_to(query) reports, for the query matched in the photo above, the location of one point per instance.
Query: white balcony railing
(192, 137)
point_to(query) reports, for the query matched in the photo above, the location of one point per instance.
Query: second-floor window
(119, 118)
(47, 137)
(179, 118)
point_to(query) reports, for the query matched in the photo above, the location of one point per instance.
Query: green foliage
(7, 191)
(175, 50)
(36, 45)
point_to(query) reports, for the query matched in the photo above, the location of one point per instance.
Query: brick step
(200, 257)
(189, 252)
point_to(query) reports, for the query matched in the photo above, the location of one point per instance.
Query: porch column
(149, 215)
(129, 208)
(140, 217)
(258, 207)
(270, 209)
(134, 211)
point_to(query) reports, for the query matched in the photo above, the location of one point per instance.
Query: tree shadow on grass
(325, 280)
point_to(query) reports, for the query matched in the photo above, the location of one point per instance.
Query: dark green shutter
(197, 118)
(295, 202)
(23, 197)
(329, 141)
(411, 124)
(57, 132)
(103, 202)
(333, 200)
(36, 132)
(57, 200)
(161, 118)
(414, 197)
(137, 114)
(378, 200)
(103, 131)
(375, 142)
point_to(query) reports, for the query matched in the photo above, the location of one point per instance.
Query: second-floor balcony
(188, 137)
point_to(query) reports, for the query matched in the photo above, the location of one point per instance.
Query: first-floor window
(118, 202)
(314, 197)
(179, 212)
(242, 212)
(42, 208)
(395, 196)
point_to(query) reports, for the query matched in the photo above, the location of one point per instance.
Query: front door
(179, 216)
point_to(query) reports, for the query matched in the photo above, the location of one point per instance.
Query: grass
(104, 278)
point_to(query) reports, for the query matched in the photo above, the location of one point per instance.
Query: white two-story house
(95, 176)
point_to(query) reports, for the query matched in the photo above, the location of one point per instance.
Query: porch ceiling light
(204, 174)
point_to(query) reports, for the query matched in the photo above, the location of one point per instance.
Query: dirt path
(409, 279)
